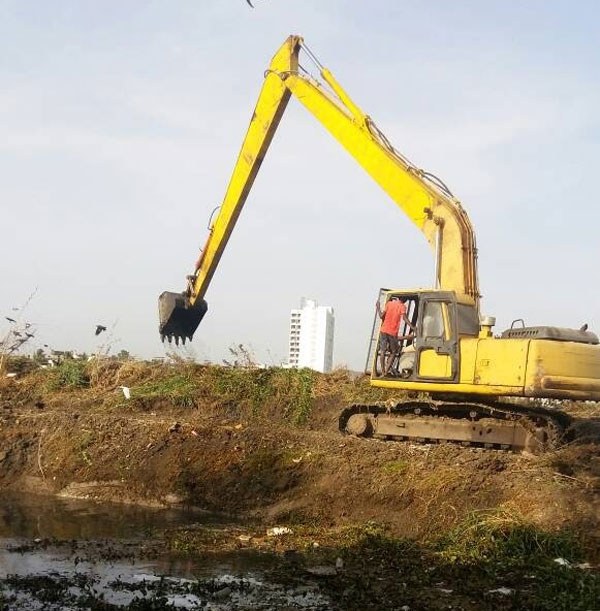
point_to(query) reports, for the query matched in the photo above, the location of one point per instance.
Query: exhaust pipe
(178, 318)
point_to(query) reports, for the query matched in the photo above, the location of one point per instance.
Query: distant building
(311, 336)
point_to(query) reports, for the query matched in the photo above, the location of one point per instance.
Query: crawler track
(493, 425)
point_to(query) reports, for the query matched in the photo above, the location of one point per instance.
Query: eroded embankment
(264, 444)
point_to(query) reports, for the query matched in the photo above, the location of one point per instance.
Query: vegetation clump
(179, 389)
(498, 535)
(70, 374)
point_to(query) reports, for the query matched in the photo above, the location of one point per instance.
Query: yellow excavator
(464, 383)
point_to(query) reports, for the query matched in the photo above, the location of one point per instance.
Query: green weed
(70, 374)
(293, 391)
(501, 536)
(241, 385)
(303, 406)
(178, 388)
(290, 390)
(396, 467)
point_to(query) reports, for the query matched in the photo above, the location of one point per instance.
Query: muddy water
(72, 554)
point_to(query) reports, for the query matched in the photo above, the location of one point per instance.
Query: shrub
(69, 374)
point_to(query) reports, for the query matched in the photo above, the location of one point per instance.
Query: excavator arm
(422, 197)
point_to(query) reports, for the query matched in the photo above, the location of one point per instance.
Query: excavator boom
(424, 199)
(449, 349)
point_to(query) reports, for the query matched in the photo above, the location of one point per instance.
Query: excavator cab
(432, 352)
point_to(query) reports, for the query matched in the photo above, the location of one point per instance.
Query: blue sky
(120, 123)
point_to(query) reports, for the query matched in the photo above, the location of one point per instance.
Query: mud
(66, 554)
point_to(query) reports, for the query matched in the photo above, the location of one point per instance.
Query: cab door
(437, 342)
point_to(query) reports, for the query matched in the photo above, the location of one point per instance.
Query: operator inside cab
(392, 316)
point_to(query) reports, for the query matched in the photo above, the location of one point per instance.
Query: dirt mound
(264, 443)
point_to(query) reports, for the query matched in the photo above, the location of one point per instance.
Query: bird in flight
(10, 319)
(99, 329)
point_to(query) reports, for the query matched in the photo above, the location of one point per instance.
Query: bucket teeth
(178, 318)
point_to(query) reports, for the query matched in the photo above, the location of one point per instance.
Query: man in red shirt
(393, 314)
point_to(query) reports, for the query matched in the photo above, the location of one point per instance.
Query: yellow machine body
(478, 363)
(464, 357)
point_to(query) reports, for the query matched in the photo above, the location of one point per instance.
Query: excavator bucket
(178, 318)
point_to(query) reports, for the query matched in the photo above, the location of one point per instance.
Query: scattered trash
(238, 426)
(174, 427)
(339, 563)
(126, 391)
(504, 591)
(562, 562)
(245, 538)
(445, 590)
(194, 432)
(404, 608)
(297, 460)
(173, 499)
(584, 566)
(11, 375)
(277, 531)
(322, 571)
(315, 544)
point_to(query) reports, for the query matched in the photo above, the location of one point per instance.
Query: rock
(503, 591)
(3, 455)
(584, 566)
(302, 590)
(173, 499)
(322, 571)
(277, 531)
(223, 593)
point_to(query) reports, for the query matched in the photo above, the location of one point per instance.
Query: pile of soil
(236, 443)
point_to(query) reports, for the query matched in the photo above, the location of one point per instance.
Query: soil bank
(264, 444)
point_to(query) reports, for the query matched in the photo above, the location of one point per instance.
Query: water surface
(71, 554)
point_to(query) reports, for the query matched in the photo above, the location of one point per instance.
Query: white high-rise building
(311, 336)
